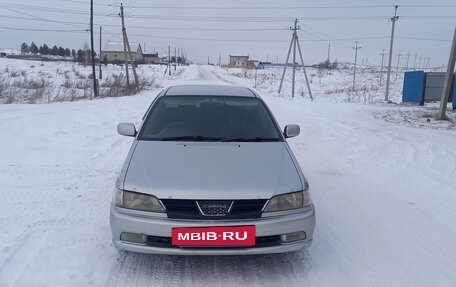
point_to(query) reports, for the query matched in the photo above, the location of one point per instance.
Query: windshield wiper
(250, 139)
(195, 138)
(199, 138)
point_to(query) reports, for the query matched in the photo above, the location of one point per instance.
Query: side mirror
(291, 131)
(126, 129)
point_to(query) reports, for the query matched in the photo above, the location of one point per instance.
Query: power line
(307, 37)
(424, 39)
(42, 30)
(430, 6)
(200, 18)
(209, 39)
(260, 8)
(47, 9)
(313, 36)
(84, 2)
(211, 29)
(348, 39)
(31, 18)
(47, 20)
(73, 11)
(429, 17)
(266, 8)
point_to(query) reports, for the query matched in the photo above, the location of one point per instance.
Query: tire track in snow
(204, 74)
(135, 269)
(9, 253)
(213, 72)
(291, 269)
(118, 273)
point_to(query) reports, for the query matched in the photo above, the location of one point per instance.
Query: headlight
(138, 201)
(288, 201)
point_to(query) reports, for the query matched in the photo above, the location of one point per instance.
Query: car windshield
(209, 118)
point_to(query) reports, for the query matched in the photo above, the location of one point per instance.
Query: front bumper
(158, 228)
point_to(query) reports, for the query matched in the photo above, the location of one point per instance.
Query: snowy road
(384, 194)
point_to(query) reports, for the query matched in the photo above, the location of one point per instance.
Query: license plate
(215, 236)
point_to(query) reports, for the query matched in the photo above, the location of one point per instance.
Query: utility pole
(419, 65)
(169, 60)
(356, 57)
(394, 19)
(175, 59)
(293, 43)
(294, 61)
(329, 50)
(398, 59)
(100, 76)
(95, 89)
(127, 53)
(125, 46)
(381, 69)
(448, 78)
(133, 64)
(414, 63)
(407, 61)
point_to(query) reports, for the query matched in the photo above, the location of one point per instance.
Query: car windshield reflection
(209, 118)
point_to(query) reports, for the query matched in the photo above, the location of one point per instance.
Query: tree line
(80, 55)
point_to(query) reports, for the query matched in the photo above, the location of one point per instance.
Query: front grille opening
(214, 209)
(166, 242)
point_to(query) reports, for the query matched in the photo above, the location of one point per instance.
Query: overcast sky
(259, 28)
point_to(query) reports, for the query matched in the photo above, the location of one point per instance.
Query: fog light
(133, 237)
(290, 237)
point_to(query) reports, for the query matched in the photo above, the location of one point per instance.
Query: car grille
(213, 209)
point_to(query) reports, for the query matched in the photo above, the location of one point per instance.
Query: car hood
(212, 170)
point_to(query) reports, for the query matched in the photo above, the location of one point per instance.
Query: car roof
(209, 90)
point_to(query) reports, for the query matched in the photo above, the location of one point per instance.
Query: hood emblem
(214, 207)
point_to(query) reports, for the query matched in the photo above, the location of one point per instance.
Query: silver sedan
(210, 173)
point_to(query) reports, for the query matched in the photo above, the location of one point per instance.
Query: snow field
(384, 191)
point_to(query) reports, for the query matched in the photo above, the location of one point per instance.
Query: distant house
(151, 59)
(113, 52)
(8, 52)
(255, 64)
(239, 60)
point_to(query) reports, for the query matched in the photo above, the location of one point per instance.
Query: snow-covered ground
(383, 181)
